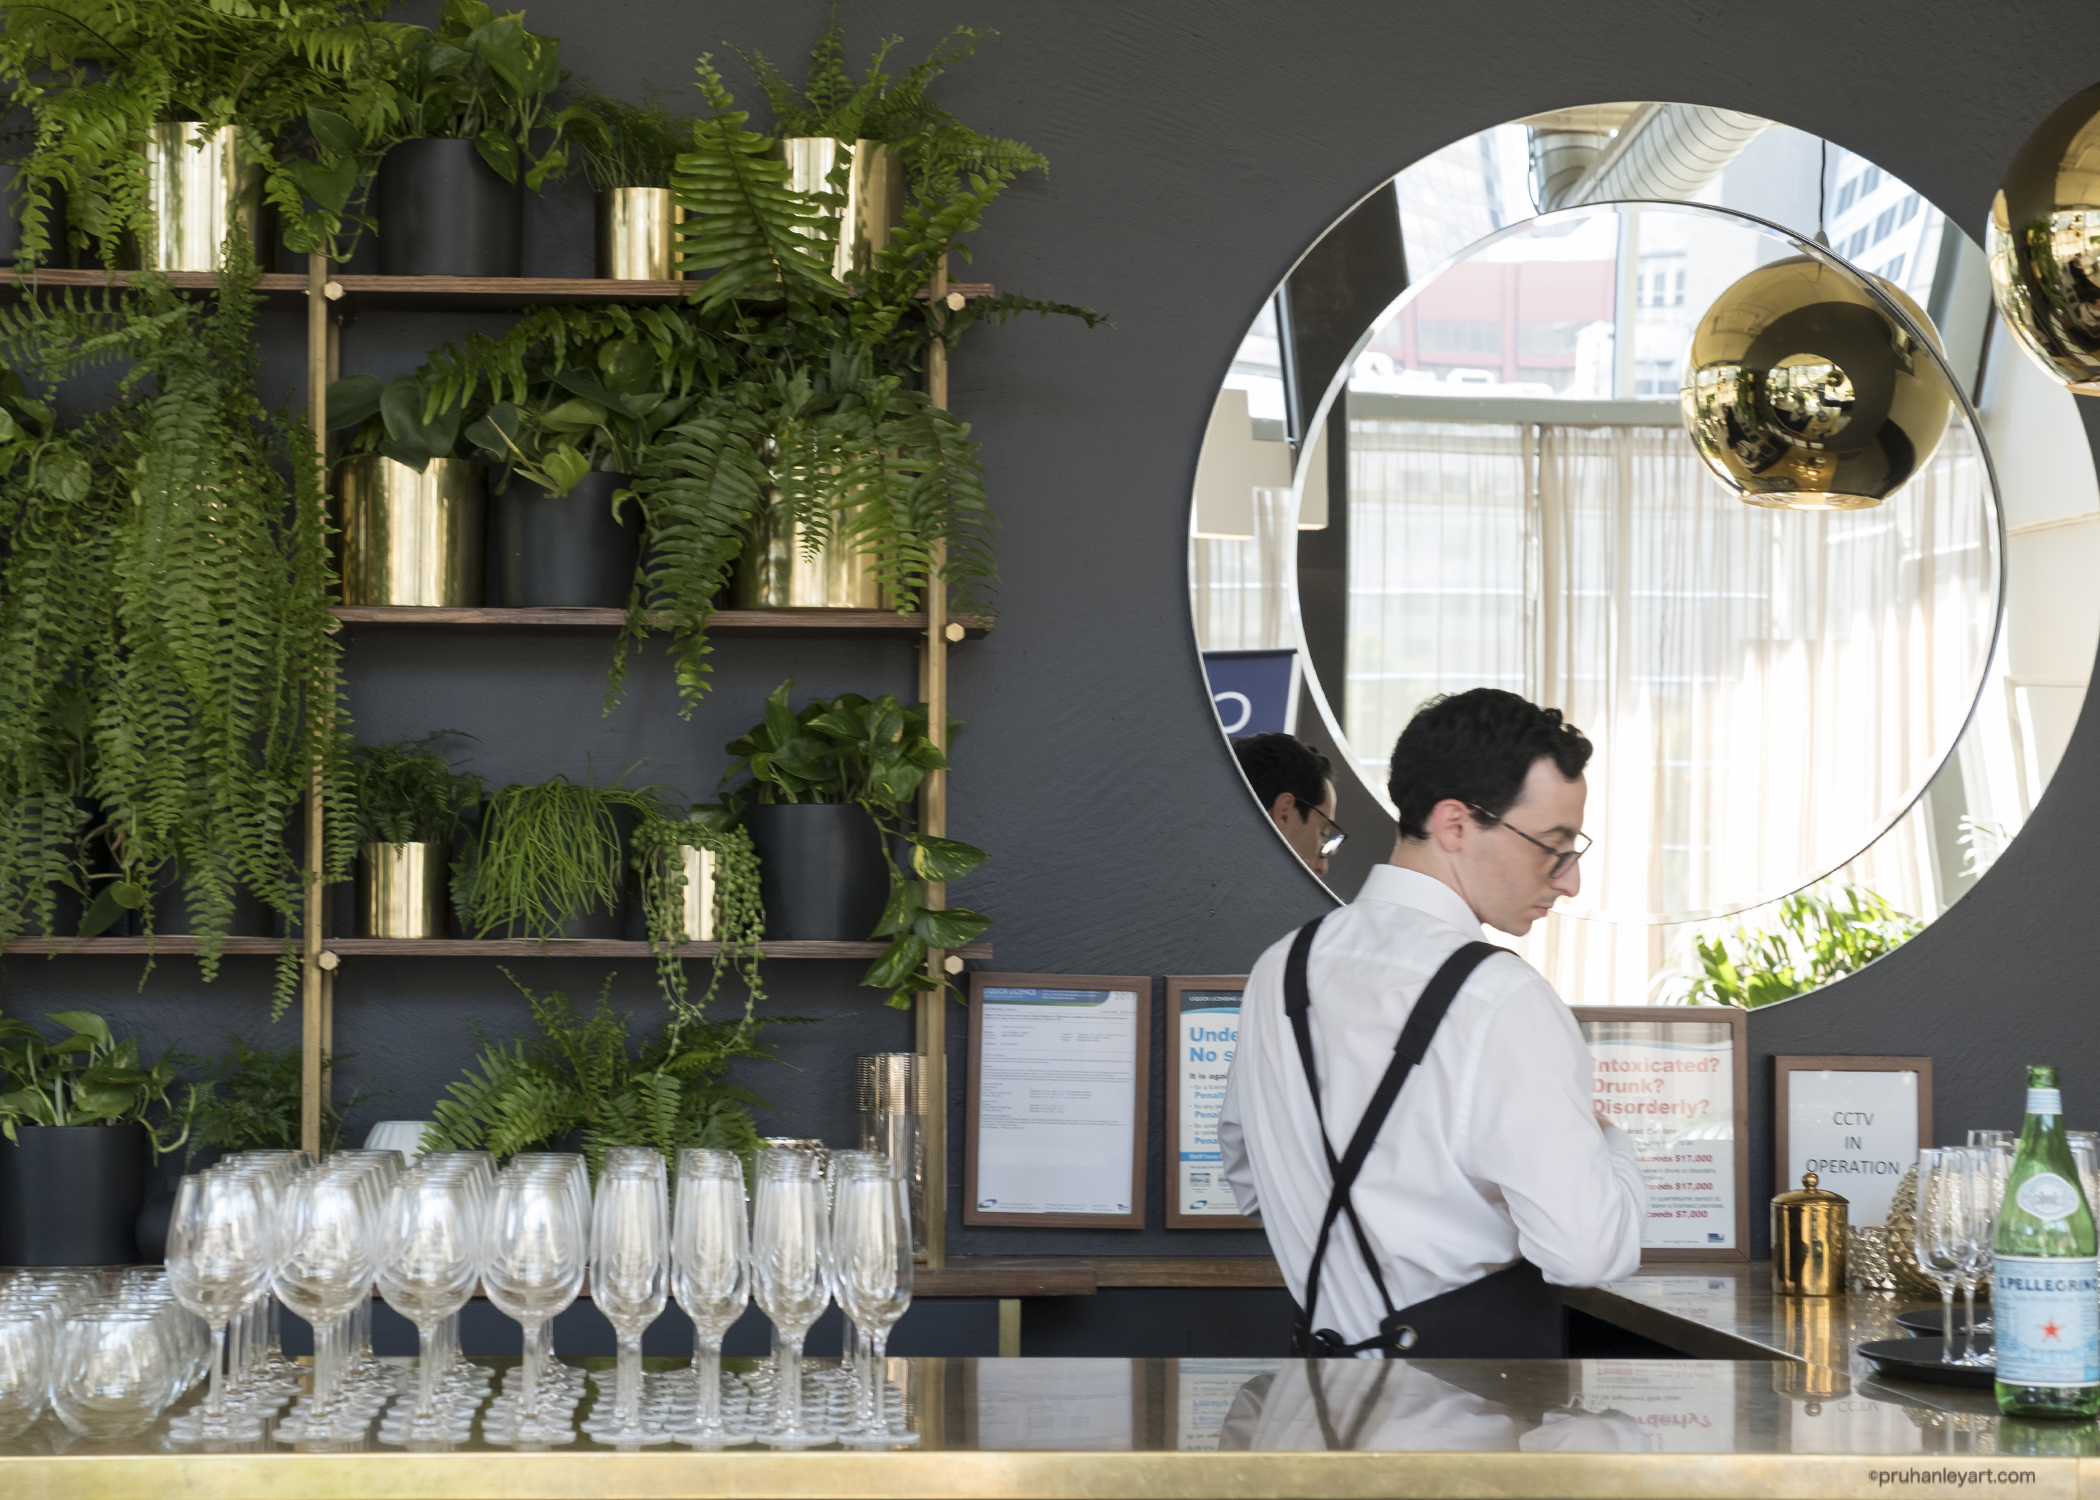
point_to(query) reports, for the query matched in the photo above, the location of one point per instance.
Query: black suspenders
(1422, 1022)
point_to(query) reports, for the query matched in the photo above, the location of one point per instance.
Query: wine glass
(117, 1371)
(322, 1269)
(26, 1343)
(537, 1246)
(218, 1257)
(1944, 1233)
(630, 1273)
(1984, 1190)
(871, 1250)
(430, 1259)
(710, 1274)
(790, 1273)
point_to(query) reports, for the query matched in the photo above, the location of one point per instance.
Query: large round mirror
(1454, 452)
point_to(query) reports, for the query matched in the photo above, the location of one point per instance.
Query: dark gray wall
(1198, 146)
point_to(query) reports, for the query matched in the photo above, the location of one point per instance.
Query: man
(1487, 1177)
(1295, 783)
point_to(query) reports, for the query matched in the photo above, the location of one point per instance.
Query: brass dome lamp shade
(1805, 390)
(2043, 244)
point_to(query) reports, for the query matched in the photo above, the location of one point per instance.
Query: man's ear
(1447, 824)
(1284, 805)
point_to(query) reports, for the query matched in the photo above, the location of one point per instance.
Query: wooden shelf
(788, 623)
(461, 293)
(456, 947)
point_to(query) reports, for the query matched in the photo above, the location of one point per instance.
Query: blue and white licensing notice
(1056, 1101)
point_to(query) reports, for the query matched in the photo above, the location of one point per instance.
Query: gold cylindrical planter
(412, 538)
(777, 571)
(197, 192)
(401, 890)
(698, 920)
(874, 193)
(636, 227)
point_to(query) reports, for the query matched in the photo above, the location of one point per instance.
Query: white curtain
(1237, 583)
(1765, 688)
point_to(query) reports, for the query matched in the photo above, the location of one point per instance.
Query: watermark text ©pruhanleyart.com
(1955, 1478)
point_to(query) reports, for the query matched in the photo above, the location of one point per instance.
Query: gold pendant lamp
(1803, 391)
(2044, 244)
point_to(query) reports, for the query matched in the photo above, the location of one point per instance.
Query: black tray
(1927, 1321)
(1919, 1359)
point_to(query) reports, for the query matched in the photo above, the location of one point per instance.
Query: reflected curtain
(1763, 687)
(1237, 584)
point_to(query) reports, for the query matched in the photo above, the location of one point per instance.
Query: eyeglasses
(1333, 838)
(1563, 859)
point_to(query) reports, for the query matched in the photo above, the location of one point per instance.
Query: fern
(743, 222)
(167, 657)
(578, 1080)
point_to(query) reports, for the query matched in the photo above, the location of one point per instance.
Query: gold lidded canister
(1808, 1241)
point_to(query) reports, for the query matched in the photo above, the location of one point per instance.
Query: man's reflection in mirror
(1295, 784)
(1393, 1406)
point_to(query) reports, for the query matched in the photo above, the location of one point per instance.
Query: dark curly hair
(1477, 746)
(1279, 763)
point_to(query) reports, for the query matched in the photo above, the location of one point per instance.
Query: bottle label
(2045, 1101)
(2048, 1196)
(2047, 1315)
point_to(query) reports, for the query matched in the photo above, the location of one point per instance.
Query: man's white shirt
(1491, 1151)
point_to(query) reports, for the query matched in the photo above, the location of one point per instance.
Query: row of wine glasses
(1959, 1190)
(262, 1228)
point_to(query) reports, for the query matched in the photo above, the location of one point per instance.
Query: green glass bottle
(2045, 1299)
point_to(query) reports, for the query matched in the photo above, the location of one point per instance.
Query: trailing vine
(659, 846)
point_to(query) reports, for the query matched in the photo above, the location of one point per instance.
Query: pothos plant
(163, 614)
(873, 753)
(87, 1077)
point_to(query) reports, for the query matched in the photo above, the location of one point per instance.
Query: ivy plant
(873, 753)
(87, 1077)
(581, 1080)
(164, 619)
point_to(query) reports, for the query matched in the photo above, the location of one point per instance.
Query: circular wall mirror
(1453, 453)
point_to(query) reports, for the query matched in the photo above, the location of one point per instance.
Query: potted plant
(828, 796)
(410, 806)
(628, 152)
(142, 114)
(580, 1083)
(174, 657)
(699, 880)
(82, 1115)
(550, 861)
(472, 91)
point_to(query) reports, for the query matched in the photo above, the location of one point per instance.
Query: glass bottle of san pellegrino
(2045, 1299)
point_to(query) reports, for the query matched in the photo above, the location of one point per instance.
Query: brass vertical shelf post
(315, 986)
(933, 819)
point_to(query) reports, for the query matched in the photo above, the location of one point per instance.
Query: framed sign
(1203, 1029)
(1856, 1122)
(1060, 1073)
(1676, 1079)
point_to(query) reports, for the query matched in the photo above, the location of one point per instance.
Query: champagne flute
(710, 1274)
(429, 1262)
(630, 1273)
(871, 1248)
(1943, 1231)
(790, 1273)
(218, 1257)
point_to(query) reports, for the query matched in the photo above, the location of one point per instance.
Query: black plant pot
(553, 550)
(443, 211)
(820, 871)
(172, 916)
(70, 1195)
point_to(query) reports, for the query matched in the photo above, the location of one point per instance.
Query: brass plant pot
(197, 193)
(412, 538)
(636, 231)
(697, 921)
(777, 571)
(401, 890)
(874, 193)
